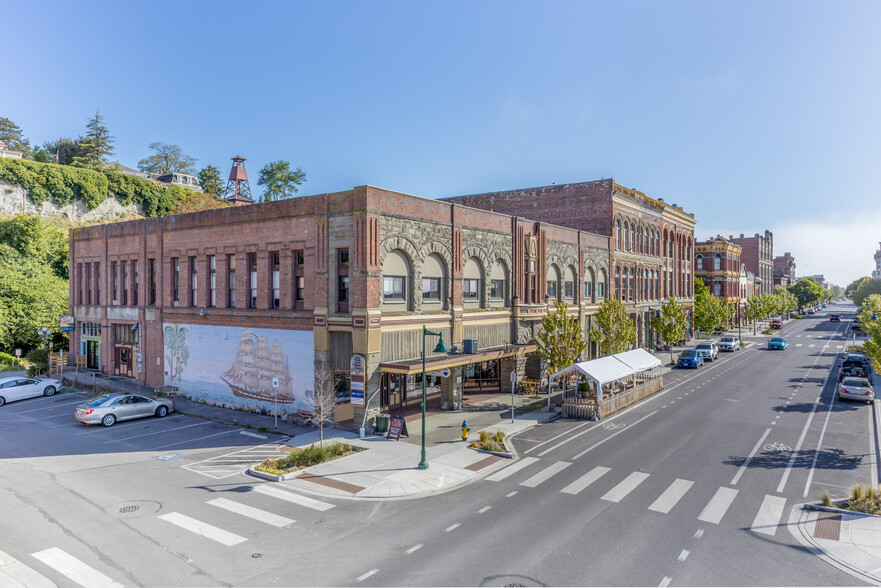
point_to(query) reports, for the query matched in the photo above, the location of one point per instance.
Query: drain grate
(129, 509)
(828, 526)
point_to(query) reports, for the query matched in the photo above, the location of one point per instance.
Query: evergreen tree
(97, 145)
(210, 180)
(12, 136)
(279, 181)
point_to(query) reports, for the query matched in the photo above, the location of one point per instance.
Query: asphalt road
(694, 486)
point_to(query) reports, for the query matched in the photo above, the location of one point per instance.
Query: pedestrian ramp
(230, 464)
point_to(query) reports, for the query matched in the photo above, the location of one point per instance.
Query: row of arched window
(699, 262)
(636, 284)
(629, 236)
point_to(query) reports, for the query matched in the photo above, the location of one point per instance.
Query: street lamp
(44, 334)
(441, 348)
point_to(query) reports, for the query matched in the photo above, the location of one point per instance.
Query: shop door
(482, 378)
(124, 362)
(392, 392)
(93, 355)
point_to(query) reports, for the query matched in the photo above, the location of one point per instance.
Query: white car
(729, 343)
(18, 388)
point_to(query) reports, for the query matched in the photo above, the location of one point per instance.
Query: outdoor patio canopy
(612, 367)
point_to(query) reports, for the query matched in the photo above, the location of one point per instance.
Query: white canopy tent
(612, 368)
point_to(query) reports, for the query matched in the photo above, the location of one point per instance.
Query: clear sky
(751, 115)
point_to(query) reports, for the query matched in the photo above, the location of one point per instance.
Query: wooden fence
(586, 408)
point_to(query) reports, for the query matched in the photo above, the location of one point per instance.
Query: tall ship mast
(256, 364)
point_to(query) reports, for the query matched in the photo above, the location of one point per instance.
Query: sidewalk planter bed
(300, 459)
(864, 500)
(494, 444)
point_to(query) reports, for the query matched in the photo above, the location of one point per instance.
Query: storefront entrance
(125, 364)
(400, 391)
(483, 378)
(93, 354)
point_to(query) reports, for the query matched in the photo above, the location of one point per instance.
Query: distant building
(717, 263)
(757, 253)
(182, 180)
(9, 153)
(116, 166)
(784, 270)
(876, 273)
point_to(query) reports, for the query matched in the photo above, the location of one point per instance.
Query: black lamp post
(441, 348)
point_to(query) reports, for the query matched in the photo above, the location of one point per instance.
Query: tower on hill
(238, 191)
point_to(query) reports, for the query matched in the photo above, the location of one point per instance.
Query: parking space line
(192, 440)
(43, 409)
(157, 432)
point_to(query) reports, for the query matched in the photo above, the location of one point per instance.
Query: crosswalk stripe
(769, 515)
(251, 512)
(511, 469)
(545, 474)
(671, 496)
(585, 480)
(798, 344)
(203, 529)
(295, 498)
(811, 345)
(82, 574)
(626, 486)
(13, 573)
(718, 505)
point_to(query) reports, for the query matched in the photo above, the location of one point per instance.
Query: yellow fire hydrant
(464, 431)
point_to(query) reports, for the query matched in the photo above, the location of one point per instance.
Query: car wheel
(161, 411)
(108, 420)
(49, 391)
(2, 401)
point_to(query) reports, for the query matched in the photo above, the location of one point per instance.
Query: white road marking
(545, 474)
(192, 440)
(251, 512)
(452, 527)
(626, 486)
(45, 408)
(665, 582)
(363, 577)
(749, 458)
(585, 480)
(811, 345)
(598, 443)
(510, 494)
(82, 574)
(13, 574)
(671, 496)
(769, 515)
(414, 548)
(250, 434)
(156, 433)
(203, 529)
(873, 447)
(484, 509)
(798, 344)
(699, 533)
(683, 555)
(292, 497)
(560, 435)
(717, 506)
(511, 469)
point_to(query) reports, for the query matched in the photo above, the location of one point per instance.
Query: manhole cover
(131, 509)
(512, 580)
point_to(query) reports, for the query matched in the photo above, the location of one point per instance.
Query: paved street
(694, 486)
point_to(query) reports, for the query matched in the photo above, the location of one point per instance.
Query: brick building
(784, 270)
(651, 241)
(240, 306)
(757, 253)
(717, 263)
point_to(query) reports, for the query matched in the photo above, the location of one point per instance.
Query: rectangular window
(97, 282)
(194, 282)
(124, 267)
(342, 256)
(231, 280)
(568, 289)
(88, 279)
(470, 289)
(175, 281)
(601, 289)
(431, 288)
(151, 282)
(79, 283)
(393, 287)
(252, 282)
(212, 281)
(497, 289)
(587, 293)
(113, 284)
(299, 279)
(135, 279)
(275, 262)
(552, 289)
(343, 293)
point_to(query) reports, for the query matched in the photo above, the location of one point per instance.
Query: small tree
(278, 181)
(671, 323)
(167, 159)
(806, 291)
(12, 136)
(97, 146)
(753, 310)
(559, 340)
(210, 180)
(322, 400)
(872, 308)
(614, 332)
(709, 313)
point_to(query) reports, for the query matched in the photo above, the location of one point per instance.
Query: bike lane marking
(749, 458)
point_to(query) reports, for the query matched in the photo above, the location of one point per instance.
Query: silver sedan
(851, 388)
(110, 408)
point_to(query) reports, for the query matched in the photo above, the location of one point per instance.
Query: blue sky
(751, 115)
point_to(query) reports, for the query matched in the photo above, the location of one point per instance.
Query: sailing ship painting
(256, 364)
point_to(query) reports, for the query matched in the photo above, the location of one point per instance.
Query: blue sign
(168, 456)
(357, 397)
(67, 323)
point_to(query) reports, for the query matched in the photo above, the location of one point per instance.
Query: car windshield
(776, 339)
(100, 401)
(689, 353)
(855, 382)
(704, 346)
(728, 339)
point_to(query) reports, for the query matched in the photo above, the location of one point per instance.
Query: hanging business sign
(441, 373)
(356, 379)
(67, 323)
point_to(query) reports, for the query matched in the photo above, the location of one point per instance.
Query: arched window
(569, 286)
(619, 294)
(472, 284)
(618, 234)
(717, 261)
(498, 285)
(553, 291)
(589, 285)
(601, 285)
(631, 284)
(396, 281)
(434, 283)
(699, 262)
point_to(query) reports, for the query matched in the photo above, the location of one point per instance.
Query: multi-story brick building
(757, 253)
(784, 270)
(652, 241)
(240, 306)
(717, 263)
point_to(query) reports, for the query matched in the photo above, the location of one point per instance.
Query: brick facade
(757, 254)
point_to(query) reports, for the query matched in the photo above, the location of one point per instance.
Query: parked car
(856, 389)
(855, 325)
(110, 408)
(709, 349)
(777, 343)
(834, 318)
(690, 358)
(18, 388)
(856, 365)
(810, 310)
(823, 305)
(729, 343)
(777, 324)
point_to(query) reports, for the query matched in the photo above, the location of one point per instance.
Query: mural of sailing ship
(254, 367)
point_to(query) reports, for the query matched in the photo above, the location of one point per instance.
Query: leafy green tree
(42, 155)
(36, 239)
(210, 180)
(837, 291)
(807, 291)
(559, 341)
(278, 181)
(11, 134)
(614, 331)
(865, 289)
(97, 145)
(754, 310)
(872, 308)
(671, 324)
(709, 313)
(167, 159)
(66, 148)
(851, 288)
(700, 287)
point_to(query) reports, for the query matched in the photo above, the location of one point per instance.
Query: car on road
(729, 343)
(811, 310)
(856, 365)
(690, 358)
(777, 324)
(834, 318)
(110, 408)
(855, 325)
(851, 388)
(18, 388)
(709, 349)
(777, 343)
